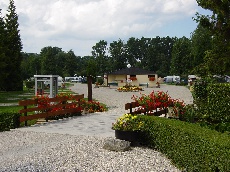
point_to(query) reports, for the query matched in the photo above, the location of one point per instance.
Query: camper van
(73, 79)
(60, 82)
(170, 79)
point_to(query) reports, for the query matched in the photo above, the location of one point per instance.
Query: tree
(117, 59)
(201, 41)
(71, 64)
(217, 59)
(49, 61)
(181, 57)
(99, 53)
(3, 58)
(13, 50)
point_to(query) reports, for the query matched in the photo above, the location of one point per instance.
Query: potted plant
(129, 127)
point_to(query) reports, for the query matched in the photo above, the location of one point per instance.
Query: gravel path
(117, 100)
(43, 148)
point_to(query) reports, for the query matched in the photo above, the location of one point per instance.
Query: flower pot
(132, 136)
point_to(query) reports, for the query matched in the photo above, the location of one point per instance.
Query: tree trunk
(89, 82)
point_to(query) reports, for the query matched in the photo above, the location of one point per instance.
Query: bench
(144, 84)
(135, 108)
(49, 107)
(113, 84)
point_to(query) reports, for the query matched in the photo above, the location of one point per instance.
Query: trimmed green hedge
(219, 102)
(9, 120)
(189, 146)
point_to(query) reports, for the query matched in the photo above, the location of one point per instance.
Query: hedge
(189, 146)
(9, 120)
(219, 102)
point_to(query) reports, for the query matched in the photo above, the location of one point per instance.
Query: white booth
(40, 87)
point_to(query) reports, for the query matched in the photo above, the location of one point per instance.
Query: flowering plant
(128, 122)
(176, 108)
(133, 78)
(93, 106)
(151, 78)
(129, 87)
(159, 100)
(43, 102)
(153, 101)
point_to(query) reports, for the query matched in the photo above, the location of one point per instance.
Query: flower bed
(159, 100)
(129, 88)
(128, 122)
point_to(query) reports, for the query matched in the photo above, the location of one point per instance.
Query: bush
(218, 103)
(9, 120)
(189, 146)
(29, 84)
(212, 101)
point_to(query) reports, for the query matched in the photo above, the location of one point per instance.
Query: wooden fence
(62, 105)
(135, 108)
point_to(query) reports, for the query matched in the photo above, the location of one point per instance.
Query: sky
(79, 24)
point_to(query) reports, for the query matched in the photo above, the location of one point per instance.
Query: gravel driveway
(75, 144)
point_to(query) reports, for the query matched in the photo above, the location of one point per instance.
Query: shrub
(218, 103)
(9, 120)
(29, 84)
(189, 146)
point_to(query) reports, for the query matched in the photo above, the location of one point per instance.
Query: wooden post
(130, 106)
(25, 114)
(89, 81)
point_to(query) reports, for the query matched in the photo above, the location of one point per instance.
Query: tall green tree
(14, 47)
(117, 58)
(49, 60)
(134, 50)
(71, 64)
(181, 57)
(99, 53)
(201, 41)
(217, 59)
(158, 55)
(3, 58)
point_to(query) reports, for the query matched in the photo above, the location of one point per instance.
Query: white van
(60, 82)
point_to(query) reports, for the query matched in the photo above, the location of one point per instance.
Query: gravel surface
(23, 150)
(30, 151)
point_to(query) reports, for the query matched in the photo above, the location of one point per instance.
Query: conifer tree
(3, 59)
(13, 50)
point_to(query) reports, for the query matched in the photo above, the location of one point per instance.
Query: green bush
(9, 120)
(212, 101)
(189, 146)
(218, 103)
(29, 84)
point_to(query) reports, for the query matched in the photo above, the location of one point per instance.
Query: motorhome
(170, 79)
(60, 82)
(73, 79)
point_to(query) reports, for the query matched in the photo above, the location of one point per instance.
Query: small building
(133, 75)
(40, 86)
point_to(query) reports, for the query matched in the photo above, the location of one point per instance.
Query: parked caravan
(170, 79)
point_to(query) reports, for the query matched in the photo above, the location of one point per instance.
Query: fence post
(130, 107)
(25, 114)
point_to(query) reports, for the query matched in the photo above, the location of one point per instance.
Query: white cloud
(75, 24)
